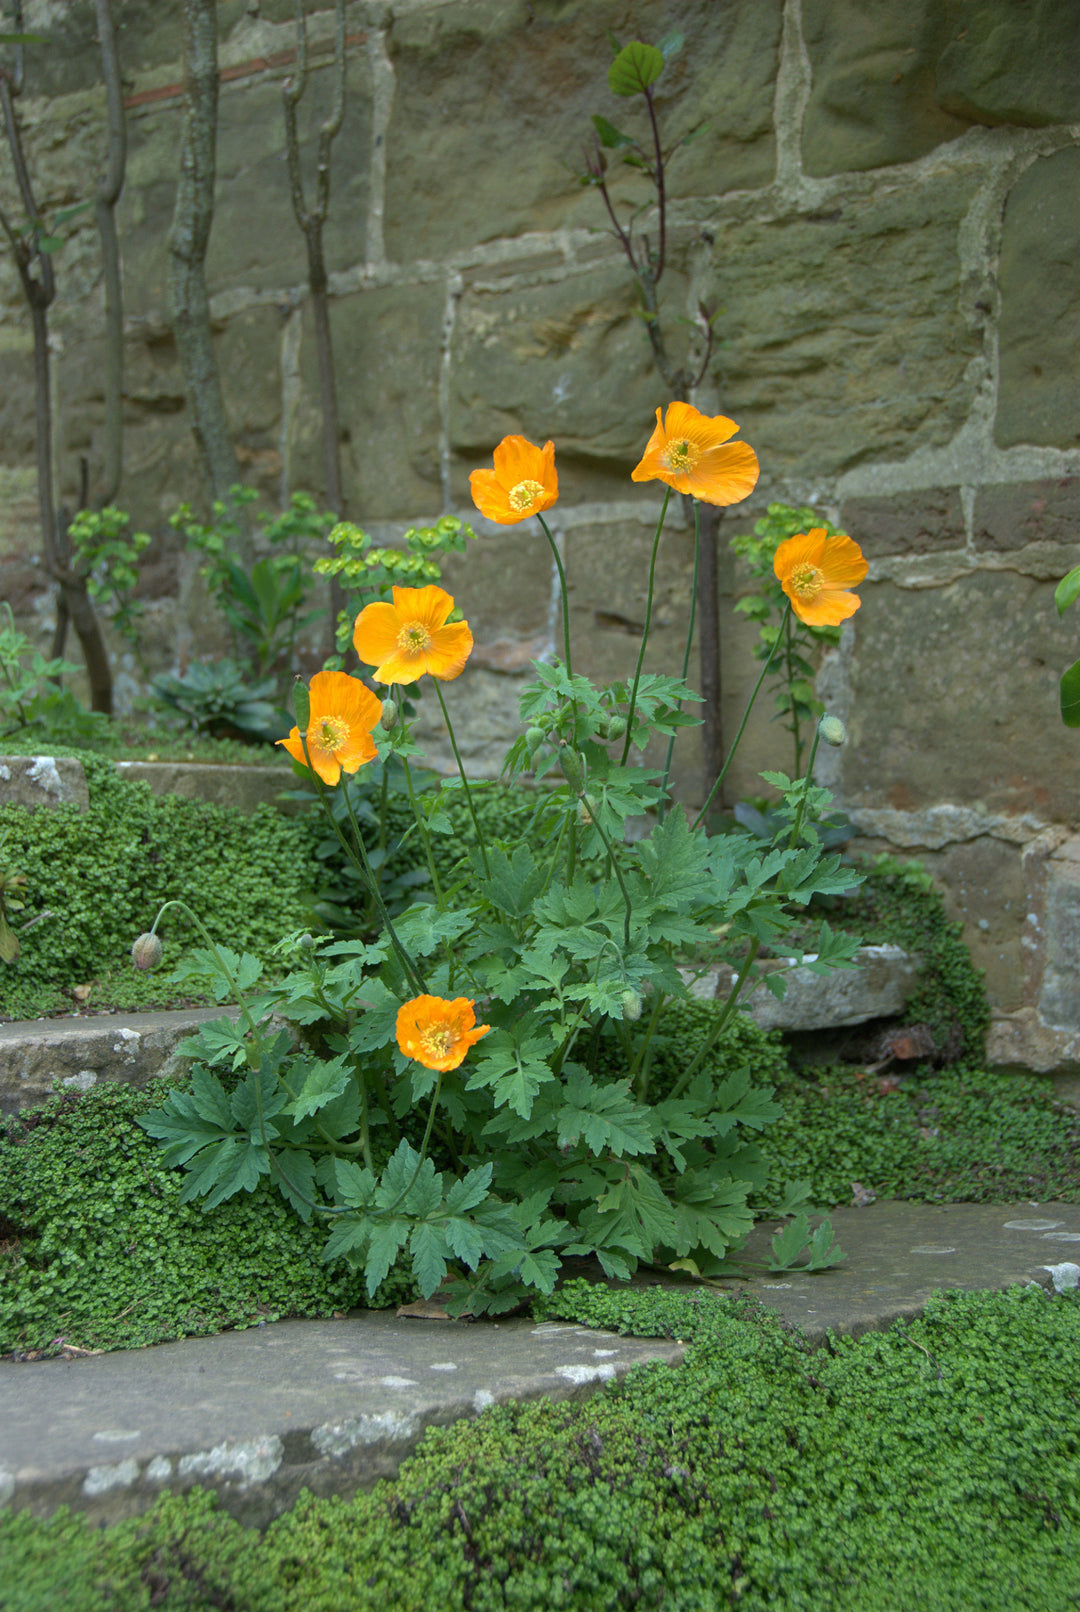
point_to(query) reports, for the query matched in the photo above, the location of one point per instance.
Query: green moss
(96, 1248)
(934, 1468)
(104, 873)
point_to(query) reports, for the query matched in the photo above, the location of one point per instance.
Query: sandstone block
(1039, 330)
(852, 319)
(909, 523)
(954, 696)
(874, 99)
(1015, 514)
(878, 988)
(1009, 63)
(493, 100)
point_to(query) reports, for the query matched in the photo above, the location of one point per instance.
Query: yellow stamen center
(437, 1041)
(525, 495)
(806, 580)
(330, 733)
(681, 456)
(413, 638)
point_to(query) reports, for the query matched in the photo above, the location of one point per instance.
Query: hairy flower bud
(146, 953)
(389, 716)
(832, 730)
(631, 1005)
(570, 763)
(534, 738)
(616, 727)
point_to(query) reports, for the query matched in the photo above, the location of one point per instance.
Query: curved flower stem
(615, 868)
(425, 835)
(409, 967)
(464, 779)
(645, 629)
(718, 1028)
(686, 654)
(745, 718)
(796, 827)
(562, 587)
(639, 1068)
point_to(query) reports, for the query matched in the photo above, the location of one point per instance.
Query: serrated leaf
(605, 1118)
(465, 1240)
(467, 1193)
(230, 1166)
(258, 1098)
(352, 1184)
(635, 68)
(215, 1042)
(323, 1083)
(428, 1250)
(825, 1251)
(540, 1268)
(789, 1242)
(293, 1174)
(348, 1234)
(387, 1238)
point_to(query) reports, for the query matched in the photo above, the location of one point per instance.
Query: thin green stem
(796, 827)
(615, 868)
(425, 835)
(645, 629)
(789, 655)
(409, 967)
(718, 1028)
(464, 779)
(562, 588)
(686, 654)
(742, 725)
(639, 1069)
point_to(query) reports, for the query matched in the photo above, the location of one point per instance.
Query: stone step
(39, 1057)
(877, 988)
(332, 1406)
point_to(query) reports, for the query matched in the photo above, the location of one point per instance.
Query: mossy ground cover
(934, 1468)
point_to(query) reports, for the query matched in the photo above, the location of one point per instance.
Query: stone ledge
(36, 781)
(878, 988)
(242, 788)
(41, 1057)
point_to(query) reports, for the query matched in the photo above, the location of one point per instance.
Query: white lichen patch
(931, 1248)
(1060, 1237)
(44, 776)
(1032, 1225)
(586, 1374)
(482, 1399)
(128, 1044)
(398, 1382)
(247, 1463)
(83, 1081)
(100, 1479)
(386, 1427)
(443, 1365)
(1064, 1276)
(116, 1435)
(603, 1354)
(159, 1470)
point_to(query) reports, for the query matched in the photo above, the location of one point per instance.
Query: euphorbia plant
(555, 1127)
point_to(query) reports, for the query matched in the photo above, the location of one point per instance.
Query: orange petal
(518, 459)
(804, 547)
(843, 564)
(708, 431)
(448, 651)
(829, 609)
(724, 475)
(431, 605)
(490, 498)
(293, 746)
(375, 633)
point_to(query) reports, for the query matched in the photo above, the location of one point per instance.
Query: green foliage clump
(934, 1468)
(96, 1248)
(105, 872)
(964, 1135)
(898, 902)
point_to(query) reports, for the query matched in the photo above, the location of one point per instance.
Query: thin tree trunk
(189, 238)
(39, 289)
(311, 221)
(108, 194)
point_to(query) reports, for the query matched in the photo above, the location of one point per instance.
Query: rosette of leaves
(218, 698)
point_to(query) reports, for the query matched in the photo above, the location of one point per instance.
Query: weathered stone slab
(1039, 329)
(1012, 515)
(493, 100)
(1009, 63)
(878, 988)
(851, 315)
(243, 789)
(37, 781)
(968, 671)
(258, 1415)
(909, 523)
(46, 1056)
(873, 100)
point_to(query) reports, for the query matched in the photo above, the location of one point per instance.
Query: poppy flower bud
(571, 768)
(616, 727)
(832, 730)
(534, 738)
(388, 719)
(146, 953)
(301, 704)
(631, 1005)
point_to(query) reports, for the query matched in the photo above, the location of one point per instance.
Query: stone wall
(883, 204)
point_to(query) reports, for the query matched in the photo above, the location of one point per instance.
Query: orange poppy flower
(405, 639)
(691, 452)
(342, 715)
(814, 571)
(523, 482)
(438, 1033)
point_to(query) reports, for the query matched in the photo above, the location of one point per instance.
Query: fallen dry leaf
(422, 1310)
